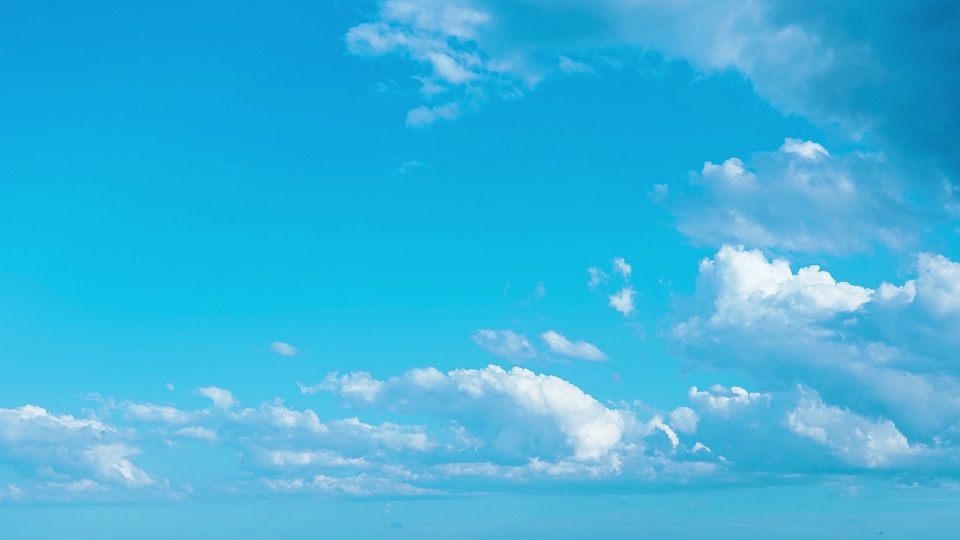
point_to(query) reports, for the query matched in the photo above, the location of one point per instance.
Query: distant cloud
(504, 343)
(597, 277)
(800, 198)
(622, 301)
(424, 116)
(620, 266)
(569, 66)
(222, 399)
(283, 349)
(581, 349)
(410, 165)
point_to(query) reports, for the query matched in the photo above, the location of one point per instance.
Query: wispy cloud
(559, 344)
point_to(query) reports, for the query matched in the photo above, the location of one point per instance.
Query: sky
(425, 268)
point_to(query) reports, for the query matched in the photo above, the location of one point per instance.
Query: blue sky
(415, 268)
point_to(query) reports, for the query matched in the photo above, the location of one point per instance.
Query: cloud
(149, 412)
(725, 401)
(504, 343)
(881, 352)
(68, 450)
(424, 116)
(597, 277)
(283, 349)
(196, 432)
(561, 345)
(856, 440)
(684, 420)
(799, 198)
(806, 58)
(569, 66)
(221, 398)
(620, 266)
(622, 301)
(543, 409)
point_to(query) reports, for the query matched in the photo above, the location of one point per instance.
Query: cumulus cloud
(505, 343)
(721, 400)
(221, 398)
(800, 198)
(283, 349)
(883, 352)
(684, 420)
(559, 344)
(539, 403)
(424, 116)
(856, 440)
(69, 449)
(622, 301)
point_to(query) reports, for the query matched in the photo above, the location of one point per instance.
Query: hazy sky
(474, 268)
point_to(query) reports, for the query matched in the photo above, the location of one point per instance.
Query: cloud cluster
(804, 57)
(798, 198)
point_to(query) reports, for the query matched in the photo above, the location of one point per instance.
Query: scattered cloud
(622, 301)
(799, 198)
(559, 344)
(505, 343)
(283, 349)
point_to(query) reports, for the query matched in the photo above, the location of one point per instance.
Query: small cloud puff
(283, 349)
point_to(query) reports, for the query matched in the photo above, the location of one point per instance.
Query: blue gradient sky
(395, 267)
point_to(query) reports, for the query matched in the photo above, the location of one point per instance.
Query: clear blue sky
(421, 268)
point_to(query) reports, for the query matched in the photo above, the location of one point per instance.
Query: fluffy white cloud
(221, 398)
(505, 343)
(283, 349)
(722, 400)
(684, 420)
(597, 277)
(622, 267)
(854, 439)
(539, 405)
(559, 344)
(149, 412)
(424, 116)
(746, 287)
(938, 284)
(622, 301)
(70, 449)
(799, 198)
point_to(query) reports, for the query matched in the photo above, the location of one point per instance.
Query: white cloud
(938, 284)
(805, 58)
(505, 343)
(512, 404)
(149, 412)
(597, 277)
(620, 266)
(221, 398)
(581, 349)
(747, 287)
(199, 433)
(684, 420)
(804, 149)
(424, 116)
(721, 400)
(799, 198)
(68, 448)
(622, 301)
(358, 385)
(854, 439)
(569, 66)
(283, 349)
